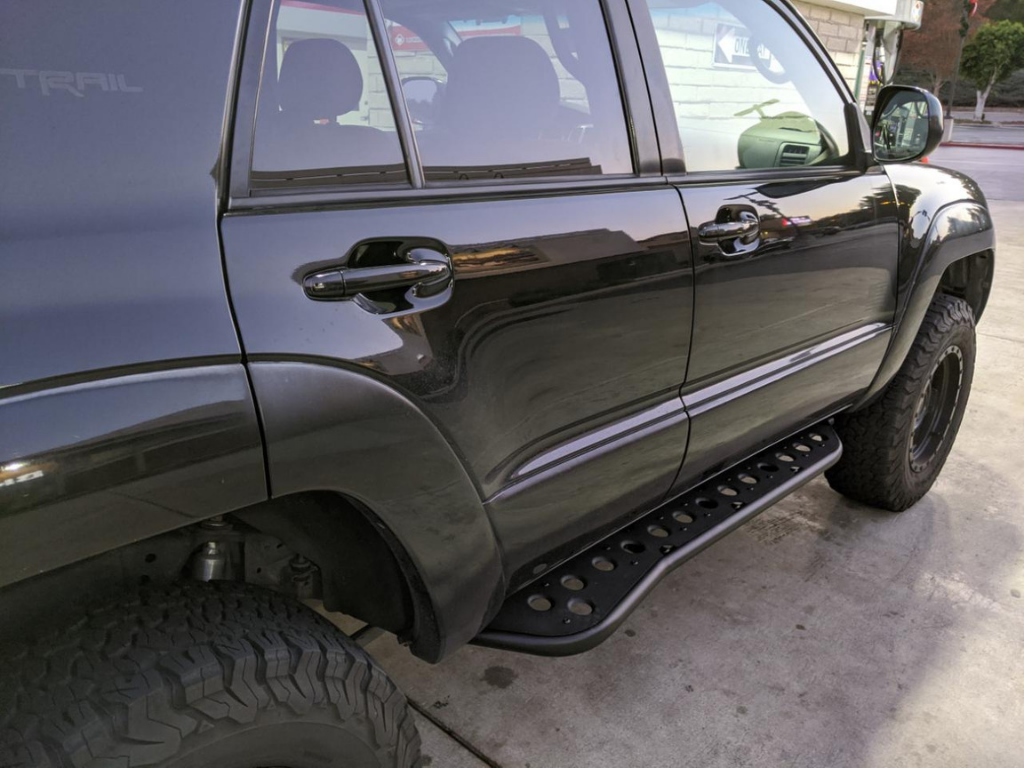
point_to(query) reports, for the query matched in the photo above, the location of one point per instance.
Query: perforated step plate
(581, 602)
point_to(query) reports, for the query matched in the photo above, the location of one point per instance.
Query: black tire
(894, 449)
(202, 675)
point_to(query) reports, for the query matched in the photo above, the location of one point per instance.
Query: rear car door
(468, 205)
(794, 231)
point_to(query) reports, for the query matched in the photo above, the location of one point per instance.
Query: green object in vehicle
(787, 139)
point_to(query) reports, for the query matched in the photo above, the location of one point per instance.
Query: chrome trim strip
(669, 412)
(725, 391)
(608, 434)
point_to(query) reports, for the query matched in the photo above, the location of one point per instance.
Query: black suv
(470, 319)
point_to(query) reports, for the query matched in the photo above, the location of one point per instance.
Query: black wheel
(894, 449)
(202, 675)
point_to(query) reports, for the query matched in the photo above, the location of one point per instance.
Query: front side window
(746, 90)
(324, 116)
(509, 89)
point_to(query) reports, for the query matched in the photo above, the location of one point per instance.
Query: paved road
(985, 134)
(823, 635)
(999, 171)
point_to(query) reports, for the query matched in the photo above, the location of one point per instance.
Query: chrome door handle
(426, 271)
(746, 228)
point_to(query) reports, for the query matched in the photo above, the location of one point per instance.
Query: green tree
(934, 49)
(995, 52)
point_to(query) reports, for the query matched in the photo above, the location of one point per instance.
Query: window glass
(747, 91)
(324, 114)
(507, 89)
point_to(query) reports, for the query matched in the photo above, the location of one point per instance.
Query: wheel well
(970, 279)
(309, 545)
(365, 570)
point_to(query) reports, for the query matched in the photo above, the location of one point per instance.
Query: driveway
(823, 634)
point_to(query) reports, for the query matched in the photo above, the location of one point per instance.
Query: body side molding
(717, 394)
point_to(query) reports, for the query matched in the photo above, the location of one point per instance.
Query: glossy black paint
(110, 139)
(943, 217)
(564, 497)
(789, 326)
(506, 422)
(342, 430)
(793, 325)
(90, 467)
(567, 316)
(124, 408)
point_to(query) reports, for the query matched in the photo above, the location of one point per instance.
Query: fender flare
(328, 428)
(956, 231)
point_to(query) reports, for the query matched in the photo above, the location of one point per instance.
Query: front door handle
(424, 270)
(747, 228)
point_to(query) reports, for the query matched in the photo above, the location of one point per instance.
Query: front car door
(506, 253)
(795, 236)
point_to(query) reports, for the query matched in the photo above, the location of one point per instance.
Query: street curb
(972, 145)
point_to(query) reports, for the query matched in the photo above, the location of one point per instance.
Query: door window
(324, 115)
(510, 88)
(746, 90)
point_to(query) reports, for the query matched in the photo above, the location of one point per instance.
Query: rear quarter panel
(110, 139)
(124, 407)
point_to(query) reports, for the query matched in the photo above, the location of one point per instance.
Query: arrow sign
(732, 47)
(725, 43)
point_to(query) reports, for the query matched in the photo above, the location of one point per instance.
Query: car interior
(518, 90)
(499, 89)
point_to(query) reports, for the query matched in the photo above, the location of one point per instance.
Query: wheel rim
(935, 408)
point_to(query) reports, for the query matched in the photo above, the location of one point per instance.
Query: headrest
(320, 78)
(502, 82)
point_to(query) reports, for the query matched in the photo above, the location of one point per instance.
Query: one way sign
(732, 47)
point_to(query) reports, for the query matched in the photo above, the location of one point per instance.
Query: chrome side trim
(695, 403)
(722, 392)
(608, 434)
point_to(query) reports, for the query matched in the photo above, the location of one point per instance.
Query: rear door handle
(425, 270)
(747, 228)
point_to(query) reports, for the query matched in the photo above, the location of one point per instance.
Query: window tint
(501, 88)
(324, 114)
(747, 91)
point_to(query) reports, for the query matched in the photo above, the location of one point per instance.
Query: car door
(509, 255)
(794, 234)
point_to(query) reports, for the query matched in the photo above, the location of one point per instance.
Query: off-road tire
(202, 675)
(876, 465)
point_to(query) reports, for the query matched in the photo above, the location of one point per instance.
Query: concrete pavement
(825, 634)
(1000, 173)
(1010, 135)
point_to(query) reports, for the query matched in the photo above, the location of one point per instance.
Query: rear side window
(324, 116)
(746, 90)
(509, 89)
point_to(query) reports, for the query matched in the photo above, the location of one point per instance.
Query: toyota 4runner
(469, 319)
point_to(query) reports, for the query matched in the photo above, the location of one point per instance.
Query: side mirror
(907, 124)
(422, 98)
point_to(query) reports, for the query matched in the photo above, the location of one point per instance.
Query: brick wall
(841, 32)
